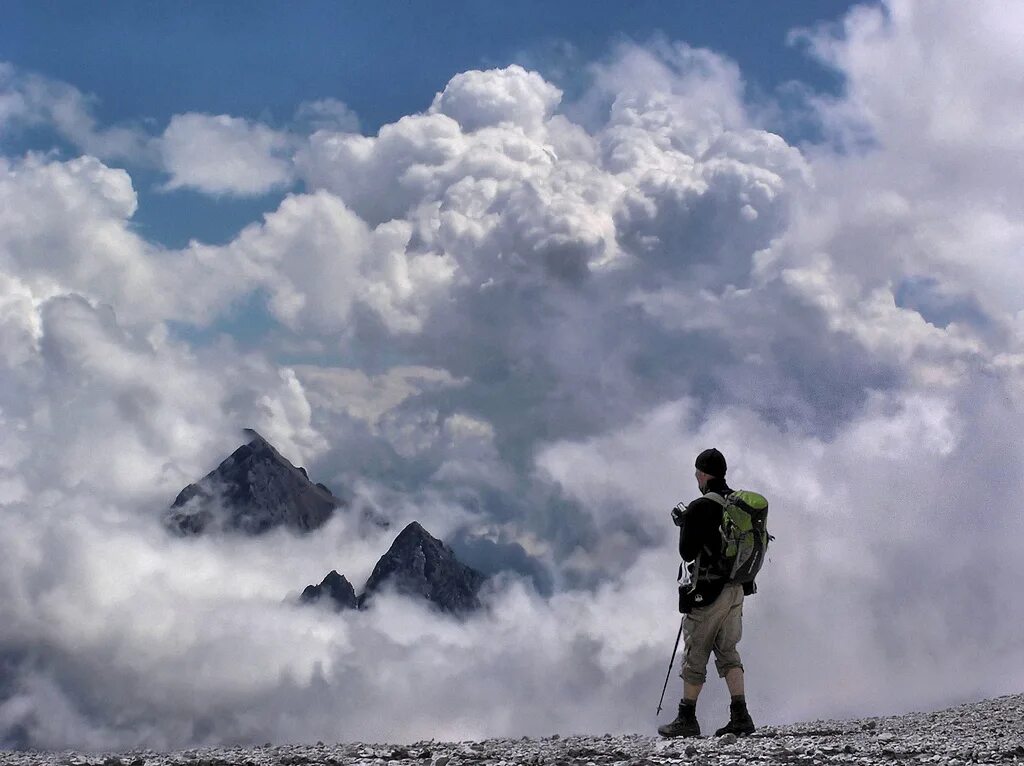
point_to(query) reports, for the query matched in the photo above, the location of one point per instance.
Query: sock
(688, 703)
(739, 700)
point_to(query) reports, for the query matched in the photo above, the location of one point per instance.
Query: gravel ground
(985, 732)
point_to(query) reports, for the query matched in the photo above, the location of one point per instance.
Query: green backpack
(745, 535)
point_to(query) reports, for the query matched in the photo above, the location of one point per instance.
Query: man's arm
(693, 529)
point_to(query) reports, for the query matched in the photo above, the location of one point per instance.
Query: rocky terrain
(988, 732)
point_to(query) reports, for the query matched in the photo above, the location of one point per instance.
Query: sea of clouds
(517, 318)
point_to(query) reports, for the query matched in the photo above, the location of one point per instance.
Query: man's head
(710, 464)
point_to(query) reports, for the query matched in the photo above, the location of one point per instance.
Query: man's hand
(677, 514)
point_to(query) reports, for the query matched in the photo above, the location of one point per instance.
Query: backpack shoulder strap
(717, 498)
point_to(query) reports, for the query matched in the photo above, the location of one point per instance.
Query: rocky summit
(255, 489)
(988, 732)
(418, 564)
(335, 589)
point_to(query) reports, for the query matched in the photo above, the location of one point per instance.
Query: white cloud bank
(520, 329)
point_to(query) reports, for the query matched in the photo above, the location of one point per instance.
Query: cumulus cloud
(517, 319)
(66, 226)
(318, 260)
(510, 96)
(218, 154)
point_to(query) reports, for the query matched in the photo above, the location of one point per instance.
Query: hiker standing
(711, 591)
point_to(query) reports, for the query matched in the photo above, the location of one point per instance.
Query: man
(713, 606)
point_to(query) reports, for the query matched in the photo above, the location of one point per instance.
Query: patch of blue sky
(147, 59)
(41, 140)
(247, 322)
(173, 218)
(938, 304)
(170, 218)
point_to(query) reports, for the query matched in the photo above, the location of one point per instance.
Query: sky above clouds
(505, 274)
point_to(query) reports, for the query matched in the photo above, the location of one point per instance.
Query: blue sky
(561, 253)
(152, 60)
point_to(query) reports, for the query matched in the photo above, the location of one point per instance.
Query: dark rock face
(335, 587)
(420, 565)
(254, 490)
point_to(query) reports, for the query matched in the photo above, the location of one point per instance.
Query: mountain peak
(253, 490)
(335, 587)
(254, 435)
(418, 564)
(414, 531)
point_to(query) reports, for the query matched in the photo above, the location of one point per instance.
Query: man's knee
(695, 663)
(726, 663)
(694, 675)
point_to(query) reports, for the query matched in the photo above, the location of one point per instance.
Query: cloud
(517, 318)
(29, 100)
(353, 392)
(934, 94)
(224, 155)
(211, 154)
(66, 226)
(159, 411)
(326, 114)
(319, 260)
(509, 96)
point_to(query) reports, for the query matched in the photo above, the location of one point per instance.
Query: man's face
(702, 479)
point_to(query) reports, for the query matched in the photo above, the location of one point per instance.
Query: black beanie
(711, 462)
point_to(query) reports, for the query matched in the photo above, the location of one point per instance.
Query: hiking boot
(685, 724)
(740, 722)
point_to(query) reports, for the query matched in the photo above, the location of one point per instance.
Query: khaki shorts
(716, 628)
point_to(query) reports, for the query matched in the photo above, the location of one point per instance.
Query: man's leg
(702, 630)
(727, 659)
(696, 653)
(734, 680)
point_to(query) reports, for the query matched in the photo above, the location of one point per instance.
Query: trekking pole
(670, 663)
